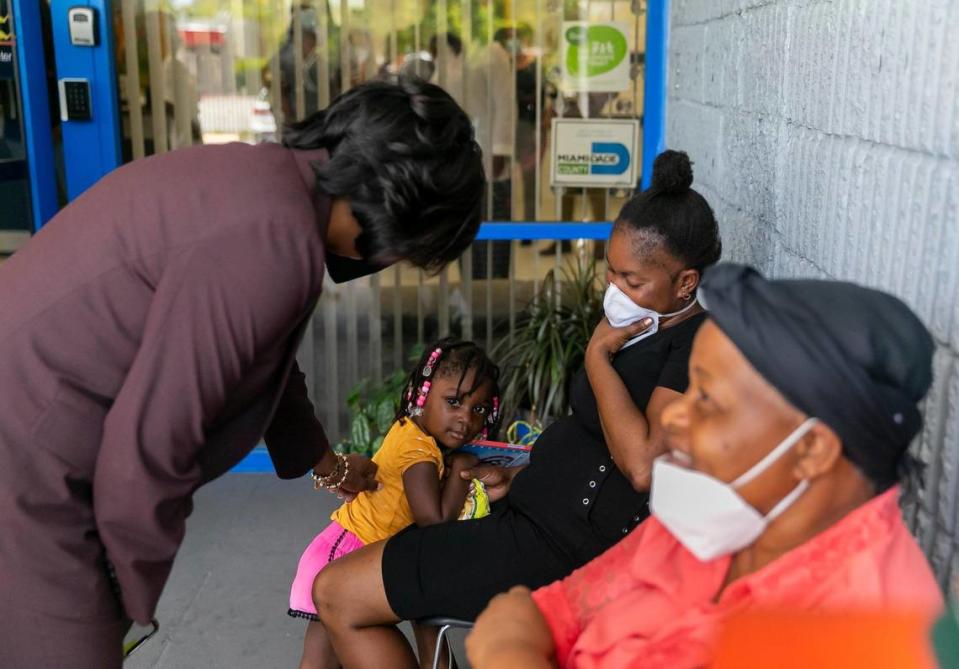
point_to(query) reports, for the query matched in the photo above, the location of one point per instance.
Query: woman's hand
(607, 340)
(511, 632)
(360, 477)
(496, 479)
(461, 462)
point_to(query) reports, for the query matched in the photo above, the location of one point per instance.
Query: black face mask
(343, 269)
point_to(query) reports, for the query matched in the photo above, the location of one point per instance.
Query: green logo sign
(604, 46)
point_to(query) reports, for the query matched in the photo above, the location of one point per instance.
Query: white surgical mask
(622, 311)
(708, 516)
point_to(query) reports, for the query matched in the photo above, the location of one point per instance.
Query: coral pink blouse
(649, 602)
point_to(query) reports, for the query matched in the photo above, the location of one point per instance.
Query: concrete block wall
(826, 136)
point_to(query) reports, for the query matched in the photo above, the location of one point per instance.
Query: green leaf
(360, 431)
(550, 340)
(384, 414)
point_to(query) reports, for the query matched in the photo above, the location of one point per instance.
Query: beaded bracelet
(327, 481)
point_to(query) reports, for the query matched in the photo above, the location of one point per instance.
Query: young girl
(451, 398)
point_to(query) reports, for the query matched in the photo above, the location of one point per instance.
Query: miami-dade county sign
(597, 153)
(595, 56)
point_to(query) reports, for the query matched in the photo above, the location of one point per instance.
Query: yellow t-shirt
(374, 516)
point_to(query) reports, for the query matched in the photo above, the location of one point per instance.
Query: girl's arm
(431, 502)
(634, 437)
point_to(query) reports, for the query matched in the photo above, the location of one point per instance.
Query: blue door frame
(91, 148)
(31, 68)
(654, 85)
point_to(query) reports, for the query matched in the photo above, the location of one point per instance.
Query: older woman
(780, 489)
(586, 486)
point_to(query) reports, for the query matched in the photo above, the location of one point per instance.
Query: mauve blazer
(147, 339)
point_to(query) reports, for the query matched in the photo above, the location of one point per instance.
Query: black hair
(503, 33)
(453, 356)
(403, 153)
(676, 213)
(520, 31)
(452, 41)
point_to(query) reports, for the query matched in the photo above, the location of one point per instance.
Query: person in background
(320, 53)
(363, 66)
(447, 55)
(528, 153)
(491, 103)
(780, 488)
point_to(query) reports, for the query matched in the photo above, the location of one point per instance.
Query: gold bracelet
(346, 472)
(327, 481)
(324, 481)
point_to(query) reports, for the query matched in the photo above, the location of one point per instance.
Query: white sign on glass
(598, 153)
(595, 56)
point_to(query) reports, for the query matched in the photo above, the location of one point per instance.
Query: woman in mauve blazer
(147, 341)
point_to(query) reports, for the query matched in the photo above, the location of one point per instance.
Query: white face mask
(622, 311)
(708, 516)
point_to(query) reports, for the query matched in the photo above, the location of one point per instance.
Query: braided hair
(403, 153)
(447, 357)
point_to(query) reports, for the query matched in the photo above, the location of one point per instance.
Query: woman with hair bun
(587, 484)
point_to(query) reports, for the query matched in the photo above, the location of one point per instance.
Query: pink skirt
(333, 542)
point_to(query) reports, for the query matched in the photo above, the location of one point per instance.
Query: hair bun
(672, 172)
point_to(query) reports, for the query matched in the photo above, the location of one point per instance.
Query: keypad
(77, 95)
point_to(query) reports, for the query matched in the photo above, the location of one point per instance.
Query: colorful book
(498, 453)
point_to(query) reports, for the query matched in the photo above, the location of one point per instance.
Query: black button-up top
(572, 489)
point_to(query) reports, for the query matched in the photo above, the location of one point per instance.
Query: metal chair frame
(445, 625)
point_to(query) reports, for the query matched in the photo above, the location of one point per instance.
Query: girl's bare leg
(351, 600)
(317, 650)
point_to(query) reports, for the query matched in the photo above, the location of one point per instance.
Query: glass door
(211, 71)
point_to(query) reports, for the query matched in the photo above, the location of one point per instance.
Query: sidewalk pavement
(225, 604)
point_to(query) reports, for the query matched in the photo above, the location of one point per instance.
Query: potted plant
(373, 409)
(549, 343)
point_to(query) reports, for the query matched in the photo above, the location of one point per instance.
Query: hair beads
(492, 417)
(424, 390)
(431, 363)
(457, 358)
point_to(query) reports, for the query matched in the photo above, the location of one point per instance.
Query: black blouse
(572, 490)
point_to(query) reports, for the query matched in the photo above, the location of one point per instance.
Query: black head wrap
(856, 358)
